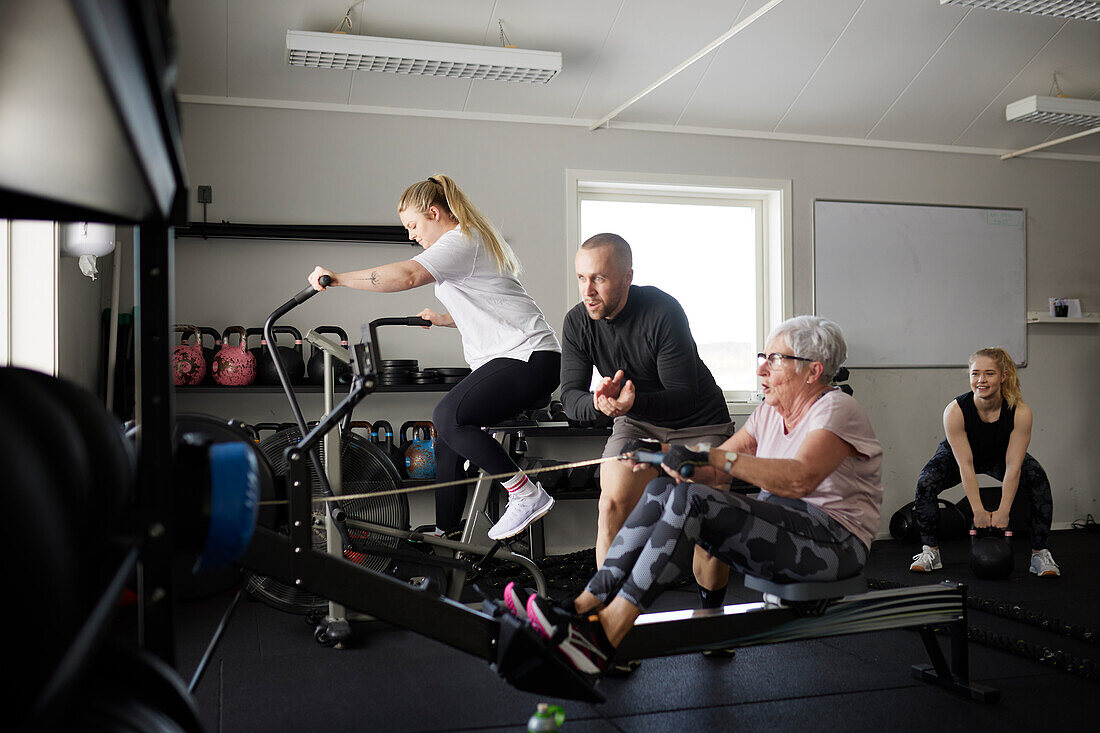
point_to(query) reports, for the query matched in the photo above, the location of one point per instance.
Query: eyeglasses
(775, 360)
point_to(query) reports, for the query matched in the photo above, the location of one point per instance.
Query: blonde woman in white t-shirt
(514, 354)
(810, 447)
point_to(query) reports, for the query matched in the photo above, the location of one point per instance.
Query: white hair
(814, 337)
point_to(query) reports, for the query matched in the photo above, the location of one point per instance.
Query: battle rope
(1055, 658)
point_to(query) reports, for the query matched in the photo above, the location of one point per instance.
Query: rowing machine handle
(644, 456)
(308, 292)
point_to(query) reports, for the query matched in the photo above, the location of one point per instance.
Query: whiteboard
(921, 286)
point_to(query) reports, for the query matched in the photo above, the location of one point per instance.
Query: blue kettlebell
(419, 443)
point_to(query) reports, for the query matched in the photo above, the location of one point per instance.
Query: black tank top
(988, 440)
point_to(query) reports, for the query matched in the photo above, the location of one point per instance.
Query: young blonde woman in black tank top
(988, 430)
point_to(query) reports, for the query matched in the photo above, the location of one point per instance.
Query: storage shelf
(1044, 317)
(306, 389)
(297, 232)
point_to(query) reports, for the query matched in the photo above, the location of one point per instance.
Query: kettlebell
(234, 366)
(418, 443)
(362, 425)
(991, 553)
(188, 363)
(290, 356)
(315, 370)
(383, 438)
(256, 351)
(210, 353)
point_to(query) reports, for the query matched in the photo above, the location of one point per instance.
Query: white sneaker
(1043, 565)
(927, 560)
(521, 512)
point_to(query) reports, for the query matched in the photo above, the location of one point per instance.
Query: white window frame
(771, 198)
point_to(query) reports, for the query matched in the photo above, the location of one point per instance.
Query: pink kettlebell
(188, 362)
(233, 365)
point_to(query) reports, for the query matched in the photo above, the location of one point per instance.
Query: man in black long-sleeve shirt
(654, 383)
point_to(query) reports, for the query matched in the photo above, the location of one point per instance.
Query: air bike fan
(365, 469)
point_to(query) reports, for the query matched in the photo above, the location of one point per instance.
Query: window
(719, 246)
(28, 294)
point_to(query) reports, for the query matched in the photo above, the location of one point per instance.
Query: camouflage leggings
(774, 538)
(942, 472)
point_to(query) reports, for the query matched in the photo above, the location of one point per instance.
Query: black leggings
(491, 393)
(942, 472)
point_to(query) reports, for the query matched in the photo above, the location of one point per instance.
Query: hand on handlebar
(315, 276)
(680, 461)
(436, 319)
(646, 446)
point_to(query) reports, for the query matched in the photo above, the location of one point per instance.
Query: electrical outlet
(206, 194)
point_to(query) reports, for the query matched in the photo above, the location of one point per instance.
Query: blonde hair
(1010, 379)
(443, 193)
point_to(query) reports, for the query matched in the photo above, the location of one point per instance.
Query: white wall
(303, 167)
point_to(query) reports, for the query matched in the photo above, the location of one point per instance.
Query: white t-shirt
(494, 314)
(852, 494)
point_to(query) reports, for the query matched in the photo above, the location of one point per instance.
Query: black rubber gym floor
(270, 675)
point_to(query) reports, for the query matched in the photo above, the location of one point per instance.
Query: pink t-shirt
(852, 494)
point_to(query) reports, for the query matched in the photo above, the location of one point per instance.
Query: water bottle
(546, 718)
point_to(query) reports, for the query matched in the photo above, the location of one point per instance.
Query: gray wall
(79, 307)
(299, 167)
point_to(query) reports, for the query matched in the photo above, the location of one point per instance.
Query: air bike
(515, 651)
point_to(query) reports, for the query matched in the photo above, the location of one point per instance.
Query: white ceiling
(900, 71)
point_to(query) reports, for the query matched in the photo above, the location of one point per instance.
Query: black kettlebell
(383, 438)
(991, 553)
(290, 356)
(256, 351)
(315, 370)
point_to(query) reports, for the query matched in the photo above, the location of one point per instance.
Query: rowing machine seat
(809, 591)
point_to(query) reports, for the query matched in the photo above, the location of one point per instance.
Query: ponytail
(1010, 379)
(443, 193)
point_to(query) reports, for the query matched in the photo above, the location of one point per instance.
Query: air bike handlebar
(401, 321)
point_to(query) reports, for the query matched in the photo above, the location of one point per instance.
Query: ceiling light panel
(1079, 9)
(1055, 110)
(424, 58)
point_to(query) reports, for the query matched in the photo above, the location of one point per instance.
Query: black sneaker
(582, 641)
(719, 653)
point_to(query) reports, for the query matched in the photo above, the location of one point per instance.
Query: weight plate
(452, 371)
(234, 504)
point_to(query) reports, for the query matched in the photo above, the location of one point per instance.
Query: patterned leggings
(942, 472)
(775, 538)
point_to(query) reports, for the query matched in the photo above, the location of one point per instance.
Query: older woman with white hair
(810, 448)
